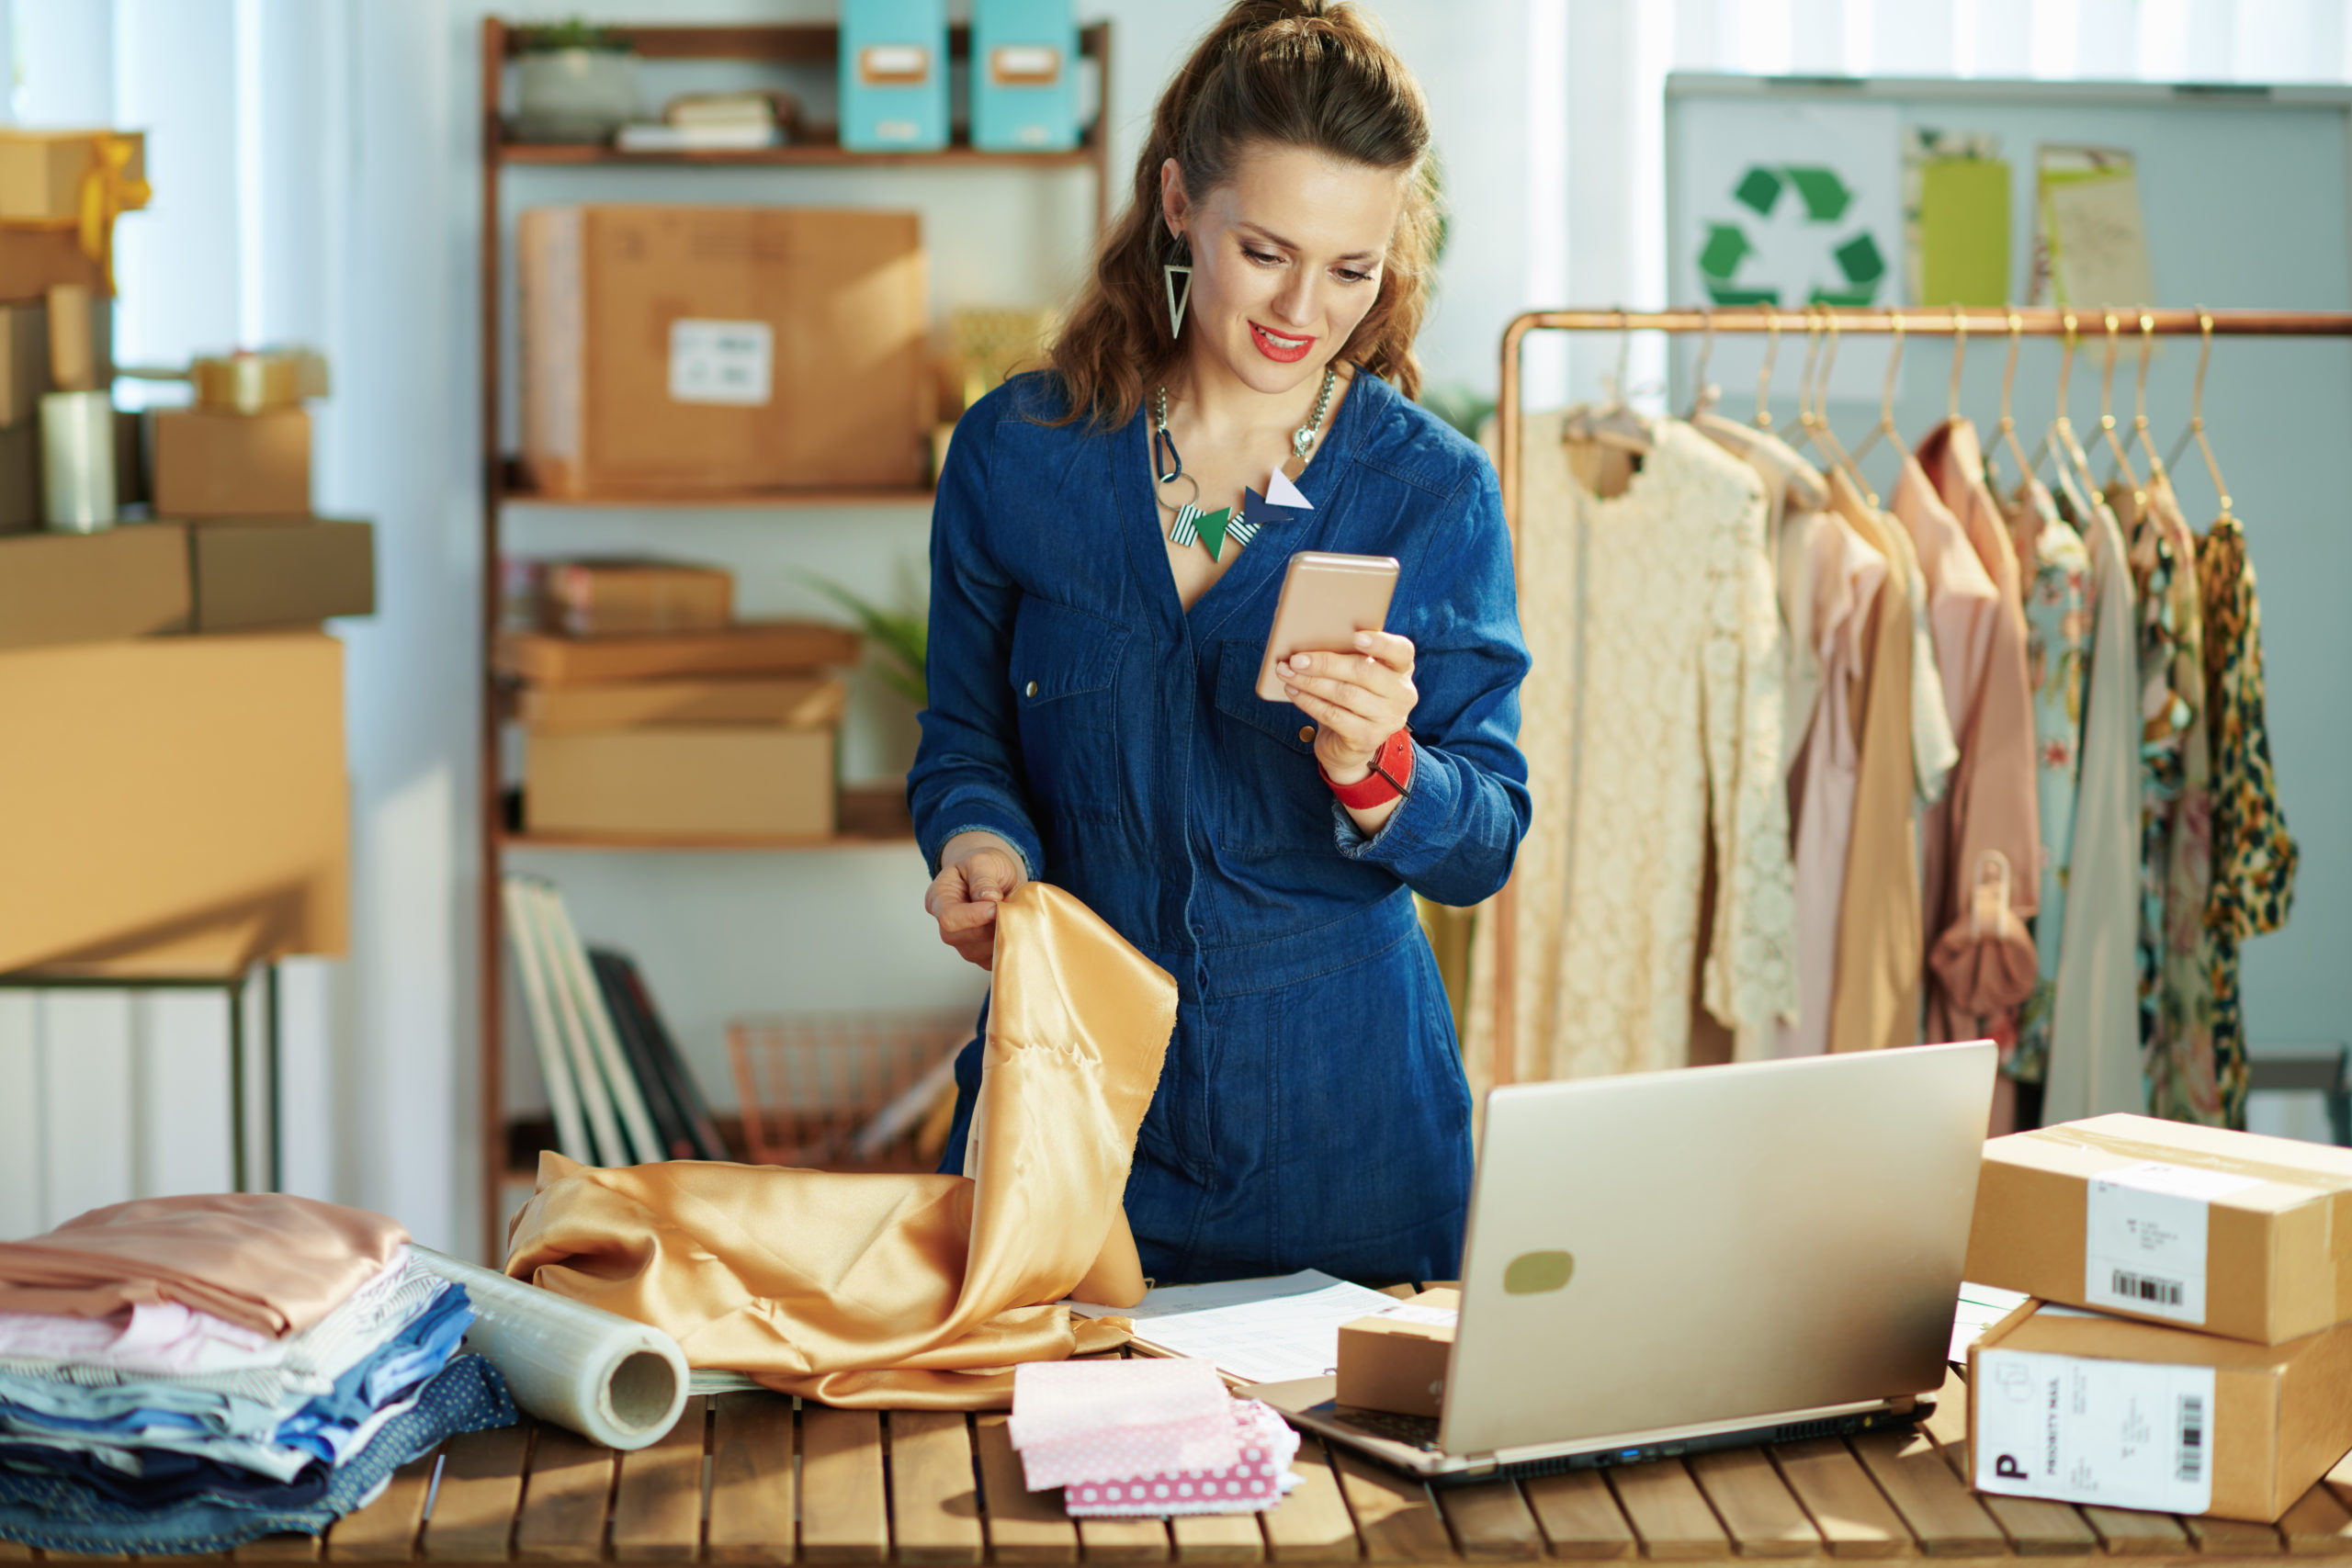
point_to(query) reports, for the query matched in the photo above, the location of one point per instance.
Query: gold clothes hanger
(1800, 432)
(2009, 383)
(1827, 437)
(2197, 414)
(1886, 425)
(1959, 363)
(1764, 377)
(1613, 422)
(1703, 397)
(2107, 424)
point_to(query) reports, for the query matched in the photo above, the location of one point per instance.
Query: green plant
(1463, 407)
(902, 637)
(575, 33)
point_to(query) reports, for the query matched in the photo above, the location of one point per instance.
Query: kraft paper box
(271, 571)
(625, 595)
(2246, 1237)
(799, 702)
(1396, 1359)
(34, 261)
(678, 350)
(42, 171)
(2086, 1407)
(753, 647)
(126, 581)
(683, 782)
(227, 465)
(179, 804)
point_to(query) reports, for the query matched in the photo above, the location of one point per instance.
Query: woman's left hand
(1357, 700)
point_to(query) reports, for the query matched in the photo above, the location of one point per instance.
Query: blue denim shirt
(1119, 744)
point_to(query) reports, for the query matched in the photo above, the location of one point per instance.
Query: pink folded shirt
(1076, 1421)
(265, 1261)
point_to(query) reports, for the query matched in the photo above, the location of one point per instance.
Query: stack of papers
(1980, 1306)
(1252, 1330)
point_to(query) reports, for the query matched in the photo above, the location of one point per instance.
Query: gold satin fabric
(903, 1290)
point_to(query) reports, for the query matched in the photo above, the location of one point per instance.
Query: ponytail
(1308, 73)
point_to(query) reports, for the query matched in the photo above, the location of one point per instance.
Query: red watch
(1391, 776)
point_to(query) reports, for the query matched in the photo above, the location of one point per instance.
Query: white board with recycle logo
(1773, 203)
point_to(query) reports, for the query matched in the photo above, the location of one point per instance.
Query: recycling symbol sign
(1790, 235)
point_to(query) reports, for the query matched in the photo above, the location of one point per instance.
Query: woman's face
(1286, 260)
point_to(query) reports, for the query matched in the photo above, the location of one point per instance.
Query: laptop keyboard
(1419, 1432)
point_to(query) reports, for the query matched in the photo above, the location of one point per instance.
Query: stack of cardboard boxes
(2189, 1345)
(650, 714)
(177, 805)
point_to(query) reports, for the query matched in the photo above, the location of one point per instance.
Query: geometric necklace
(1211, 529)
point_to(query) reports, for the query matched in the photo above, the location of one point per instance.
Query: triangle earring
(1177, 298)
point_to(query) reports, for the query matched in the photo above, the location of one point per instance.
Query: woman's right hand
(977, 871)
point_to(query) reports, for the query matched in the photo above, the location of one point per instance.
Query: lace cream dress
(1652, 726)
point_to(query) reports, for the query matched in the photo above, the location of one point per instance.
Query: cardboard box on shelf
(60, 588)
(676, 350)
(681, 781)
(623, 595)
(2086, 1407)
(231, 465)
(41, 172)
(628, 705)
(272, 571)
(34, 261)
(178, 805)
(754, 648)
(2230, 1233)
(1396, 1359)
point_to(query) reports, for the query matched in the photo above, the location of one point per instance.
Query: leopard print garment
(2254, 856)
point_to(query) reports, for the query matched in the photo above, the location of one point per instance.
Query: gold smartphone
(1326, 600)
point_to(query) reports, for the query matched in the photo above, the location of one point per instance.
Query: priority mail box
(2233, 1233)
(2086, 1407)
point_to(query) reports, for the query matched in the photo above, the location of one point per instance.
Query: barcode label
(2081, 1429)
(2191, 1467)
(2150, 1289)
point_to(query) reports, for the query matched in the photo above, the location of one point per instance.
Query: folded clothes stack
(1145, 1438)
(183, 1374)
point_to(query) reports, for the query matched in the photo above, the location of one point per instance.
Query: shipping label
(2144, 1237)
(2120, 1434)
(722, 362)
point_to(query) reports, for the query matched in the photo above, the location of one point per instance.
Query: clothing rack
(2081, 326)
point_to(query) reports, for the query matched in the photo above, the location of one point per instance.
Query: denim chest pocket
(1064, 671)
(1278, 804)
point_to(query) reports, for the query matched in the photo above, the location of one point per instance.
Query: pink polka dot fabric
(1147, 1437)
(1076, 1421)
(1256, 1480)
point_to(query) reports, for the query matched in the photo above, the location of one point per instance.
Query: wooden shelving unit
(869, 818)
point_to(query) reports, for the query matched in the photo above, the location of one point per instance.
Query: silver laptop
(1665, 1263)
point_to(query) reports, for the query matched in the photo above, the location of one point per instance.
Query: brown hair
(1311, 73)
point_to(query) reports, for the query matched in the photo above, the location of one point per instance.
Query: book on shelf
(619, 1087)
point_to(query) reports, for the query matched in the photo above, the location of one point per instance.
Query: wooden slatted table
(758, 1478)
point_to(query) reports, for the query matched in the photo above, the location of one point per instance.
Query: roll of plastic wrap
(618, 1383)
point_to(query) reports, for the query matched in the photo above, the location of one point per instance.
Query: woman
(1096, 633)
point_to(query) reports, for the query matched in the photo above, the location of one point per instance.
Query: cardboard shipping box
(174, 806)
(2086, 1407)
(799, 702)
(635, 596)
(756, 648)
(268, 572)
(672, 350)
(1396, 1359)
(228, 465)
(41, 172)
(126, 581)
(682, 781)
(2226, 1232)
(34, 261)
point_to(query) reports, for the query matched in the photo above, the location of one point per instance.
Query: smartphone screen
(1326, 600)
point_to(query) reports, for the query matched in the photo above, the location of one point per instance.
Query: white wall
(314, 163)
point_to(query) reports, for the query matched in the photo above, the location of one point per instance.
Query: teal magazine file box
(1025, 76)
(894, 75)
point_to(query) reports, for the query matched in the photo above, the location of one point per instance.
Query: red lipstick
(1282, 351)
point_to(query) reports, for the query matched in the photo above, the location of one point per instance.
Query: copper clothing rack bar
(2082, 325)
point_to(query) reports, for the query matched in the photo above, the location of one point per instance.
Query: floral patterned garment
(2254, 856)
(2054, 568)
(2188, 1070)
